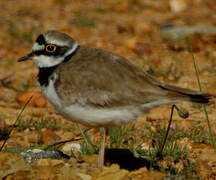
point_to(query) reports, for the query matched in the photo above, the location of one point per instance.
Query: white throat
(43, 61)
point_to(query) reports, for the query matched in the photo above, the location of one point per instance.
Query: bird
(97, 88)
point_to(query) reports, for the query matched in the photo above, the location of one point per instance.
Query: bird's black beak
(27, 57)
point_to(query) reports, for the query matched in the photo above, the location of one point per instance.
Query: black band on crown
(41, 40)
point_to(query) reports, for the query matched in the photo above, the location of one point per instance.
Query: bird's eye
(50, 48)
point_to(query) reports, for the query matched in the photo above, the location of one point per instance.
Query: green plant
(204, 106)
(87, 147)
(174, 155)
(122, 137)
(38, 124)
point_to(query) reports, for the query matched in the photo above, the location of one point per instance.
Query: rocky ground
(160, 37)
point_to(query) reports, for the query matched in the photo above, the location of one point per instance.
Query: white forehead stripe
(73, 49)
(54, 41)
(38, 47)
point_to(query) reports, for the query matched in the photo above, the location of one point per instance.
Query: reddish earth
(130, 28)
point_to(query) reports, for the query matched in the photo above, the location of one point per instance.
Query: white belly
(87, 115)
(98, 117)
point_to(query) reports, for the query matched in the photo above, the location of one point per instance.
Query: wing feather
(100, 78)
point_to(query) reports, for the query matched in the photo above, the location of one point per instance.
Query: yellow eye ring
(50, 48)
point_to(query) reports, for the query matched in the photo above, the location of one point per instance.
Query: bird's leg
(100, 160)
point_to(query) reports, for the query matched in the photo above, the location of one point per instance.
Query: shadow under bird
(98, 88)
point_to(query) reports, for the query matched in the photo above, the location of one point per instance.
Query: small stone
(178, 5)
(113, 172)
(38, 100)
(47, 136)
(34, 150)
(44, 162)
(176, 34)
(130, 43)
(31, 156)
(44, 174)
(84, 176)
(75, 147)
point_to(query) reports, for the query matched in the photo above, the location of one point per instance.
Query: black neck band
(44, 73)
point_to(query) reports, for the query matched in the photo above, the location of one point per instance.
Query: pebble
(75, 147)
(47, 136)
(84, 176)
(38, 100)
(174, 34)
(33, 155)
(178, 5)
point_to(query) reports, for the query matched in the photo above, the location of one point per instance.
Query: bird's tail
(184, 94)
(174, 94)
